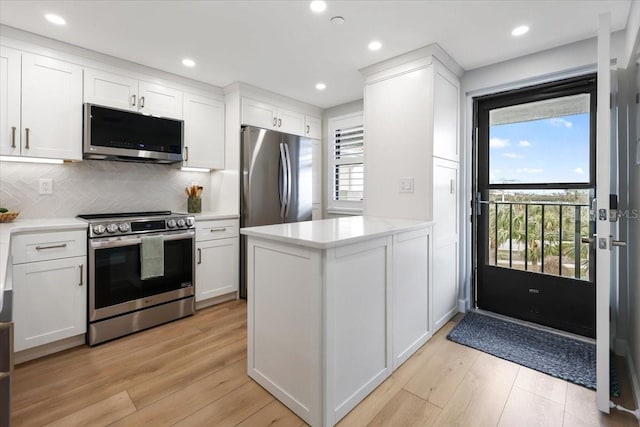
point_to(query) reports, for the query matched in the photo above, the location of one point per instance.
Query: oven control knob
(190, 222)
(171, 223)
(112, 228)
(123, 227)
(99, 229)
(181, 222)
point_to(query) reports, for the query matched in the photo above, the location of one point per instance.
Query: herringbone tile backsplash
(96, 186)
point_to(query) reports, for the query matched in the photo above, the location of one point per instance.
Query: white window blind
(348, 163)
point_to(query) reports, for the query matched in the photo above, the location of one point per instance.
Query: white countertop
(328, 233)
(7, 229)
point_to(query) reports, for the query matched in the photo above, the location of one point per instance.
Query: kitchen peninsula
(334, 306)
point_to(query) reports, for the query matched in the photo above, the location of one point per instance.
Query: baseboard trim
(216, 300)
(47, 349)
(633, 374)
(462, 306)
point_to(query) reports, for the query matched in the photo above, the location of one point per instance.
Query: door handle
(588, 240)
(282, 185)
(288, 182)
(13, 137)
(61, 245)
(618, 243)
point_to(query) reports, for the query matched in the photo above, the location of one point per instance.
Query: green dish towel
(151, 257)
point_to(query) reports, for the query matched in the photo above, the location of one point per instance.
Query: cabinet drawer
(216, 229)
(31, 247)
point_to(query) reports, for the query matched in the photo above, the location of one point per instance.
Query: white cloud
(560, 122)
(579, 171)
(512, 155)
(529, 170)
(524, 144)
(498, 143)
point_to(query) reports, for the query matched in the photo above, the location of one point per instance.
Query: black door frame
(512, 293)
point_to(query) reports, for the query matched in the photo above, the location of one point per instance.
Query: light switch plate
(406, 184)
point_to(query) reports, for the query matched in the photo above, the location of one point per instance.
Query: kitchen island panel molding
(327, 314)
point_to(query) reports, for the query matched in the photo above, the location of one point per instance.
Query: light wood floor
(192, 372)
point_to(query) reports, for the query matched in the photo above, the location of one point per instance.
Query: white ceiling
(283, 47)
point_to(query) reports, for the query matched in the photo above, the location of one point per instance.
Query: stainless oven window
(117, 272)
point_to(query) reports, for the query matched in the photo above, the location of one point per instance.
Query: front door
(535, 184)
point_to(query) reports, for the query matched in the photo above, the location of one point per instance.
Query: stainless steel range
(121, 299)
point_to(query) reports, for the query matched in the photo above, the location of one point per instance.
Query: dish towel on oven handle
(151, 257)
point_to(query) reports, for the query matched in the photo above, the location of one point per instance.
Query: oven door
(115, 286)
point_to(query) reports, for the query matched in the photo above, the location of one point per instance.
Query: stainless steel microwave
(112, 134)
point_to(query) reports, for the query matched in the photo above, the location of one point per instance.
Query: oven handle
(114, 242)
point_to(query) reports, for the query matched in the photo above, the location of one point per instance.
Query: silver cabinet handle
(133, 100)
(213, 230)
(199, 256)
(142, 102)
(81, 275)
(279, 122)
(275, 121)
(13, 137)
(186, 153)
(308, 129)
(62, 245)
(26, 131)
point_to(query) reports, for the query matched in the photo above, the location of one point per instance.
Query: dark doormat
(556, 355)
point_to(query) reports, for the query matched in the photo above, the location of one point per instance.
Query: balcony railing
(544, 237)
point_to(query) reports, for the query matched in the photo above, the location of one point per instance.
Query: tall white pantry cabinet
(412, 123)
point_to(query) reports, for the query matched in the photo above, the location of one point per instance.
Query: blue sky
(540, 151)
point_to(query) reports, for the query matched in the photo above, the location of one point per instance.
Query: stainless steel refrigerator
(275, 182)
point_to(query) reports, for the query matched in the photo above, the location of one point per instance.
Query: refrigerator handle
(288, 183)
(282, 184)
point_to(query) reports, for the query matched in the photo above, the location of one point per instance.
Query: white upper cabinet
(267, 116)
(446, 95)
(313, 127)
(290, 122)
(203, 132)
(126, 93)
(47, 95)
(10, 129)
(109, 89)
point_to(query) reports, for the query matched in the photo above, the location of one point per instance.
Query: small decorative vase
(194, 204)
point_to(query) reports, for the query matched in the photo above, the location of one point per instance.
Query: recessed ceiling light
(321, 86)
(188, 62)
(518, 31)
(55, 19)
(375, 45)
(318, 6)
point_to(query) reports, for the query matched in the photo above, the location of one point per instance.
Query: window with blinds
(347, 162)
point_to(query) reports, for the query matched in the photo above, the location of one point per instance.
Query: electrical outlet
(46, 186)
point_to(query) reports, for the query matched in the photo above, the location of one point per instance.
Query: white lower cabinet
(217, 258)
(411, 293)
(50, 301)
(217, 268)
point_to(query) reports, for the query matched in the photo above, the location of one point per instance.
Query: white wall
(96, 186)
